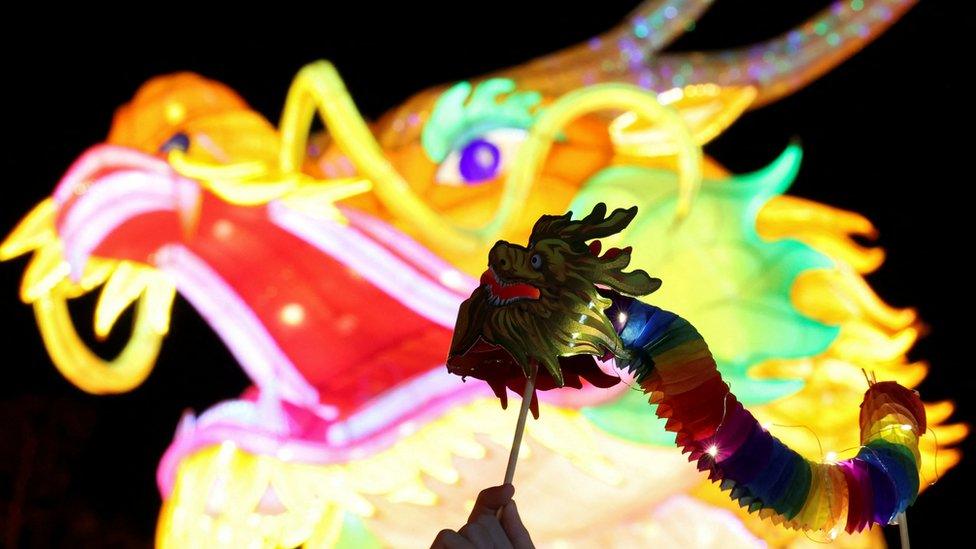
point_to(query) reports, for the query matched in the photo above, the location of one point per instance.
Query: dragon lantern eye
(178, 141)
(482, 158)
(536, 261)
(479, 160)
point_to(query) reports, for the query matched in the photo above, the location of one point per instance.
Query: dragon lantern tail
(673, 365)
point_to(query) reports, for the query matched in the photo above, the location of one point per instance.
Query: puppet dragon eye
(473, 133)
(536, 261)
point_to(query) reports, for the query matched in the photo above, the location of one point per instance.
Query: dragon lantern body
(333, 266)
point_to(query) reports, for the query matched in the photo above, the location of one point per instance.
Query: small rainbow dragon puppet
(558, 303)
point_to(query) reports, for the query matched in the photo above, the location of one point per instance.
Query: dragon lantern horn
(776, 67)
(669, 18)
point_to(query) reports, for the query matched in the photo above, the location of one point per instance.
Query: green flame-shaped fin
(729, 282)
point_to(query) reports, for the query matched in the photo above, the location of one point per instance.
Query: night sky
(78, 470)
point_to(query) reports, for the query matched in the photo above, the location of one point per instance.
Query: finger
(477, 535)
(516, 531)
(449, 539)
(490, 500)
(495, 531)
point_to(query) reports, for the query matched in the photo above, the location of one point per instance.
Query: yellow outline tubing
(319, 87)
(84, 368)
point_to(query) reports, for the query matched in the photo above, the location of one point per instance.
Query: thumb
(490, 500)
(514, 529)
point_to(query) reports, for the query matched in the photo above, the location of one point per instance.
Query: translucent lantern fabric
(332, 265)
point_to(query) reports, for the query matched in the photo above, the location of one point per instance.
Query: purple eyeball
(480, 160)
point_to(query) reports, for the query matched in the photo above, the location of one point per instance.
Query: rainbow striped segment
(673, 365)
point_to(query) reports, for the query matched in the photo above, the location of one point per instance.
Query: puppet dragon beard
(558, 303)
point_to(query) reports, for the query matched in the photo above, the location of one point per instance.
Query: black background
(886, 134)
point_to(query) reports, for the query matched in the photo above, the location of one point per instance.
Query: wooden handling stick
(520, 427)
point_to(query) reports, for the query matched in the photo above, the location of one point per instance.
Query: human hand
(486, 529)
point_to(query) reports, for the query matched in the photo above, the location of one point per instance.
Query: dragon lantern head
(452, 166)
(542, 303)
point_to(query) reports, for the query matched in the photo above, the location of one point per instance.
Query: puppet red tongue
(513, 290)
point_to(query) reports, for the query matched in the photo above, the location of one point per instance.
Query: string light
(292, 314)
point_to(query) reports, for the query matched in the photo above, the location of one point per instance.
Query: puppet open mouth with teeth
(502, 291)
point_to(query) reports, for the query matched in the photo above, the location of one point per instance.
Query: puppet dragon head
(542, 304)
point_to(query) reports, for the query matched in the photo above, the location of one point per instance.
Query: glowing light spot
(407, 429)
(712, 450)
(667, 97)
(831, 457)
(175, 113)
(227, 449)
(225, 534)
(766, 426)
(906, 427)
(484, 157)
(622, 318)
(292, 314)
(454, 280)
(204, 523)
(641, 30)
(223, 229)
(346, 323)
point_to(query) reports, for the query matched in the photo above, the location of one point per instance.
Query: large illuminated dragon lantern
(333, 265)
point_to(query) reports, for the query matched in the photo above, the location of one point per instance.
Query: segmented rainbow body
(674, 366)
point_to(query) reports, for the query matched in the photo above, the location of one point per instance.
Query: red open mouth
(503, 292)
